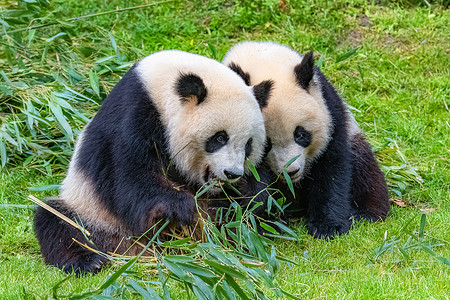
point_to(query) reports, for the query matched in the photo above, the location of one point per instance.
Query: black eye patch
(302, 137)
(268, 146)
(217, 141)
(248, 147)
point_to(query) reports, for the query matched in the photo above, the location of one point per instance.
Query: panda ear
(190, 86)
(262, 92)
(244, 75)
(304, 71)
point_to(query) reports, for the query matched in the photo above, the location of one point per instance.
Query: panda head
(298, 123)
(213, 119)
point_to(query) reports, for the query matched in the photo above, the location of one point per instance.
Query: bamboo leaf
(444, 260)
(236, 287)
(289, 182)
(93, 78)
(423, 221)
(286, 229)
(291, 161)
(80, 95)
(270, 200)
(49, 187)
(222, 269)
(61, 120)
(31, 35)
(113, 42)
(55, 37)
(268, 228)
(252, 169)
(4, 158)
(198, 270)
(347, 55)
(201, 289)
(213, 50)
(8, 138)
(177, 271)
(162, 279)
(144, 293)
(104, 59)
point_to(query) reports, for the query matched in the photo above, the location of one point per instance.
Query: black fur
(345, 180)
(369, 193)
(268, 146)
(236, 68)
(124, 153)
(191, 85)
(249, 147)
(125, 150)
(262, 92)
(57, 240)
(302, 137)
(304, 71)
(325, 188)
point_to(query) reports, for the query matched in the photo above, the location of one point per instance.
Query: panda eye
(302, 137)
(221, 139)
(248, 147)
(217, 141)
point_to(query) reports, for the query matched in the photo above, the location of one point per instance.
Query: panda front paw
(327, 230)
(185, 213)
(84, 264)
(181, 213)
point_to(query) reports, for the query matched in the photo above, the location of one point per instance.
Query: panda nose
(231, 175)
(292, 173)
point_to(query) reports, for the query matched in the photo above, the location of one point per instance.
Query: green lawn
(398, 81)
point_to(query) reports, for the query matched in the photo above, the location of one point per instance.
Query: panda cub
(174, 122)
(336, 176)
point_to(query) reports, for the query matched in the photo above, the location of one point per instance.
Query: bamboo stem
(57, 213)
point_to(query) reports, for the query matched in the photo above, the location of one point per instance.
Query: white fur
(289, 105)
(77, 192)
(229, 105)
(352, 125)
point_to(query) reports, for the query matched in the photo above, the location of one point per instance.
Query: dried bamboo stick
(57, 213)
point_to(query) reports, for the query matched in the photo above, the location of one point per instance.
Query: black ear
(304, 71)
(189, 86)
(262, 92)
(244, 75)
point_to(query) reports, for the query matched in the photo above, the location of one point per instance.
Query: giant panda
(336, 176)
(173, 123)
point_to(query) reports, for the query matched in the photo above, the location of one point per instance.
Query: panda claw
(327, 231)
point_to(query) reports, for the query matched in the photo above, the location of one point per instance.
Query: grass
(397, 80)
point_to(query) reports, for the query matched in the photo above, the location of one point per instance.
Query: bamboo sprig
(57, 213)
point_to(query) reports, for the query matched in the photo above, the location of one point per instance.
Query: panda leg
(58, 248)
(370, 198)
(328, 194)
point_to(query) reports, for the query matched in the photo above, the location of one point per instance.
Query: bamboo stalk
(57, 213)
(86, 246)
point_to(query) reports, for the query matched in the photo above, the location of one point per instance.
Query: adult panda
(336, 175)
(174, 122)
